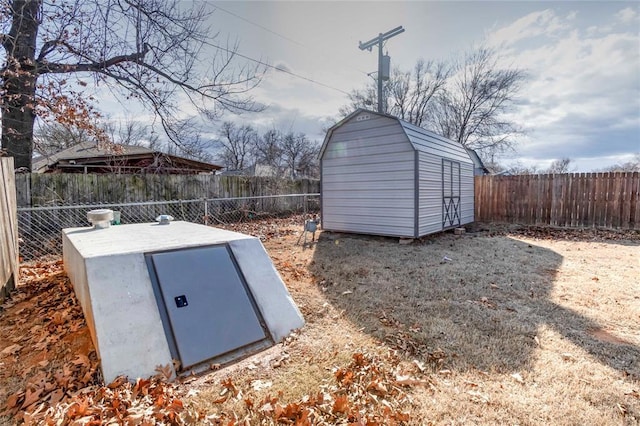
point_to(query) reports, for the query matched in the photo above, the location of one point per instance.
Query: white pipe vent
(100, 218)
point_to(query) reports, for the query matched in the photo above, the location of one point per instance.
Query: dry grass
(515, 317)
(512, 329)
(502, 327)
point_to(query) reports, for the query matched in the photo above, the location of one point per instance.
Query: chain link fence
(40, 228)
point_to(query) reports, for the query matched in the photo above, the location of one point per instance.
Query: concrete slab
(112, 283)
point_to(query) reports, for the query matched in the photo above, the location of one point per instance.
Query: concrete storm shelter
(383, 176)
(153, 293)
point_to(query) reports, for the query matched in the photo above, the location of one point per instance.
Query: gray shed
(384, 176)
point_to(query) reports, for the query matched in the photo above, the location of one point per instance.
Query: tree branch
(45, 67)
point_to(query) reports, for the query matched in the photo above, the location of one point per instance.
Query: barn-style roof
(421, 139)
(92, 158)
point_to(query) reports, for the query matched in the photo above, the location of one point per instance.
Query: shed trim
(416, 194)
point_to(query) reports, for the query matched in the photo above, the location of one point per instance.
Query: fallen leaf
(31, 396)
(409, 381)
(478, 397)
(377, 387)
(56, 396)
(340, 405)
(165, 371)
(82, 360)
(10, 350)
(518, 378)
(623, 409)
(420, 365)
(259, 385)
(117, 382)
(12, 401)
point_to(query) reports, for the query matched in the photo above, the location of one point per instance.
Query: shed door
(450, 193)
(205, 303)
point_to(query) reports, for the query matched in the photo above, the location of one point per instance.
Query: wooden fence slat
(592, 199)
(59, 189)
(634, 207)
(599, 205)
(610, 200)
(575, 200)
(9, 270)
(609, 197)
(585, 189)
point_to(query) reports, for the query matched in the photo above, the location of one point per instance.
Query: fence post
(304, 202)
(9, 260)
(206, 212)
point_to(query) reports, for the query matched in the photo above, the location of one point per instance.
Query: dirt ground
(501, 325)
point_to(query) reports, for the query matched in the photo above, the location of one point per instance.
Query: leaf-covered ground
(50, 375)
(503, 325)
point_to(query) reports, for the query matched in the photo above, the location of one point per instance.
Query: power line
(276, 33)
(258, 25)
(276, 68)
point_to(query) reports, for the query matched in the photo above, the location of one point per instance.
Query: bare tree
(408, 94)
(236, 145)
(629, 166)
(471, 109)
(151, 50)
(465, 101)
(189, 142)
(411, 93)
(299, 155)
(560, 166)
(518, 168)
(50, 138)
(268, 149)
(133, 133)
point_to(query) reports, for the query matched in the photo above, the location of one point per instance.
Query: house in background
(261, 170)
(118, 159)
(384, 176)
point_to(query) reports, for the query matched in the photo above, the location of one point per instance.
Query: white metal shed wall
(430, 201)
(432, 148)
(368, 178)
(467, 194)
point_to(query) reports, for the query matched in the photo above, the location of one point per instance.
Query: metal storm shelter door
(450, 193)
(206, 307)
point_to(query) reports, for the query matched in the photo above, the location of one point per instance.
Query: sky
(582, 58)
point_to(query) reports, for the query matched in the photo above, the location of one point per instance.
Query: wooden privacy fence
(8, 228)
(603, 200)
(68, 189)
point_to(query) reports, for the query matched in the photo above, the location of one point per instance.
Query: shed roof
(421, 139)
(477, 161)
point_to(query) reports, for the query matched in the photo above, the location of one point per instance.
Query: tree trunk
(19, 82)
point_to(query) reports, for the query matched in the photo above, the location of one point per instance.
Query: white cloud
(627, 15)
(583, 97)
(541, 23)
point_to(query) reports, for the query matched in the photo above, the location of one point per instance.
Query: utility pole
(378, 40)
